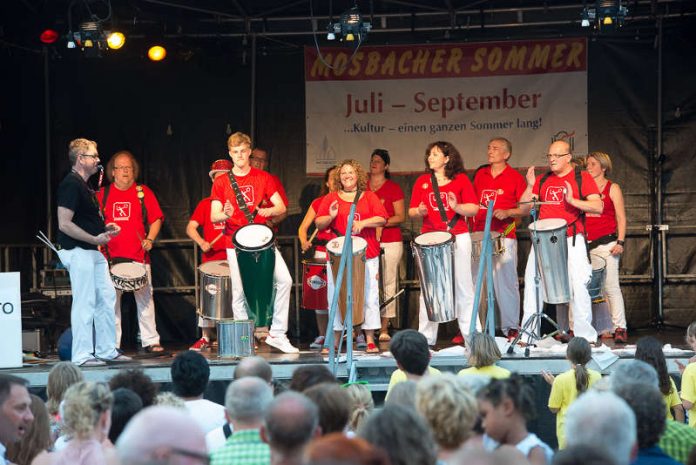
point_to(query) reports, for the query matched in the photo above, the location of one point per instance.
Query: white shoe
(318, 343)
(360, 341)
(282, 343)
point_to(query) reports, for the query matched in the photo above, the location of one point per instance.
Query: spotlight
(604, 13)
(330, 36)
(156, 53)
(48, 36)
(607, 21)
(115, 40)
(349, 27)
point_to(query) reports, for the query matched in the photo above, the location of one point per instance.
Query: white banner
(10, 321)
(404, 97)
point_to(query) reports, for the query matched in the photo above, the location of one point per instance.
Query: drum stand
(532, 327)
(485, 261)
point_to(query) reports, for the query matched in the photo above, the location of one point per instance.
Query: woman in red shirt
(389, 236)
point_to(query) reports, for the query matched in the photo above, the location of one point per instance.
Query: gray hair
(633, 371)
(247, 398)
(290, 421)
(78, 147)
(604, 421)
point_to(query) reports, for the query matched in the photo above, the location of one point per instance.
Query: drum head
(128, 270)
(335, 245)
(215, 268)
(253, 237)
(548, 224)
(434, 238)
(598, 263)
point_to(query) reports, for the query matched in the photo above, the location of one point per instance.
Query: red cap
(220, 166)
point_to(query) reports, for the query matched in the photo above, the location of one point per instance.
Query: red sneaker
(620, 336)
(201, 344)
(458, 339)
(512, 334)
(564, 337)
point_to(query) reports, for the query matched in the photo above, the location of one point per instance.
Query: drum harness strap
(241, 203)
(440, 206)
(141, 198)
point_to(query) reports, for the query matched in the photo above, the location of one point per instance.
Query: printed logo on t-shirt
(248, 193)
(433, 202)
(219, 226)
(486, 196)
(554, 194)
(121, 211)
(356, 216)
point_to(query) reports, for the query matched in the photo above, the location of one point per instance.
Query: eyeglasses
(123, 168)
(204, 458)
(554, 156)
(258, 158)
(94, 157)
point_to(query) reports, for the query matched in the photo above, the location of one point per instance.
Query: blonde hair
(83, 405)
(361, 404)
(169, 399)
(112, 161)
(603, 159)
(60, 378)
(78, 147)
(237, 139)
(362, 175)
(483, 350)
(449, 407)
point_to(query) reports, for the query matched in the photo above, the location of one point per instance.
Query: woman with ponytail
(361, 404)
(567, 386)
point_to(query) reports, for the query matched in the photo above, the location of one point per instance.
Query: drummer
(214, 244)
(503, 184)
(320, 240)
(369, 215)
(389, 236)
(457, 200)
(562, 199)
(606, 233)
(254, 186)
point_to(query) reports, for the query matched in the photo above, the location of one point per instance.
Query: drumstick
(314, 234)
(217, 238)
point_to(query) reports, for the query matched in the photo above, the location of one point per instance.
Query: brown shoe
(620, 336)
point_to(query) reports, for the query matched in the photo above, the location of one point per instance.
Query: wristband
(621, 243)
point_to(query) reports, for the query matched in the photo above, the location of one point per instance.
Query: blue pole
(485, 252)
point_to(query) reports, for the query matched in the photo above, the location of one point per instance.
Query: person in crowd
(260, 160)
(506, 407)
(604, 422)
(649, 350)
(36, 440)
(389, 235)
(339, 449)
(126, 405)
(159, 435)
(688, 382)
(567, 386)
(81, 231)
(443, 198)
(136, 210)
(15, 411)
(306, 376)
(246, 403)
(334, 406)
(483, 354)
(568, 194)
(450, 409)
(403, 393)
(190, 373)
(412, 356)
(582, 454)
(60, 378)
(369, 215)
(213, 243)
(361, 404)
(170, 399)
(137, 381)
(322, 237)
(291, 421)
(606, 233)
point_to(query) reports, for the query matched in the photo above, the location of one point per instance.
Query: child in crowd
(688, 382)
(649, 350)
(506, 406)
(567, 386)
(361, 403)
(412, 354)
(483, 353)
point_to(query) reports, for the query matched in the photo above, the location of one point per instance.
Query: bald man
(291, 422)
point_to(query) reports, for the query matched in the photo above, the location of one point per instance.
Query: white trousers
(146, 313)
(390, 270)
(611, 288)
(93, 299)
(579, 274)
(371, 293)
(464, 293)
(282, 281)
(505, 284)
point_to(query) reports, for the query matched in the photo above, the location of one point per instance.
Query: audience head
(483, 351)
(449, 407)
(254, 366)
(411, 352)
(338, 449)
(334, 406)
(403, 393)
(633, 371)
(691, 335)
(579, 353)
(190, 374)
(291, 421)
(582, 454)
(648, 405)
(412, 445)
(649, 350)
(137, 381)
(503, 400)
(247, 400)
(37, 437)
(160, 434)
(15, 409)
(86, 409)
(361, 404)
(126, 404)
(603, 421)
(306, 376)
(60, 378)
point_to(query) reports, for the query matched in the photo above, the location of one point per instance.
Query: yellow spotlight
(350, 37)
(607, 21)
(157, 53)
(116, 40)
(89, 43)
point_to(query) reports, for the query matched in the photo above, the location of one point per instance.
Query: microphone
(101, 176)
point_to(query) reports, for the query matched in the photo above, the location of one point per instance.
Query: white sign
(10, 321)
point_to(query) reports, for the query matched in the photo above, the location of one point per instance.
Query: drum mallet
(217, 238)
(391, 299)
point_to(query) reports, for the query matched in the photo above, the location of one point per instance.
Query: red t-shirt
(201, 215)
(423, 192)
(506, 189)
(368, 206)
(389, 193)
(325, 235)
(554, 192)
(283, 196)
(256, 186)
(124, 209)
(604, 224)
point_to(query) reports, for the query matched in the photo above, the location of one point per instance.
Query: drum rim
(562, 223)
(355, 252)
(232, 320)
(308, 261)
(265, 246)
(451, 238)
(494, 235)
(200, 267)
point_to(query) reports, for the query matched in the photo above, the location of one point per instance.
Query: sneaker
(621, 336)
(458, 339)
(201, 344)
(512, 333)
(318, 343)
(360, 341)
(282, 343)
(564, 337)
(384, 337)
(92, 362)
(120, 358)
(606, 335)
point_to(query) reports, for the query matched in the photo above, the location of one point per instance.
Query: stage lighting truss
(604, 13)
(350, 27)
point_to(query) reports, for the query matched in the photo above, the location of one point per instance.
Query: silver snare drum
(434, 256)
(497, 242)
(551, 252)
(215, 293)
(128, 276)
(235, 338)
